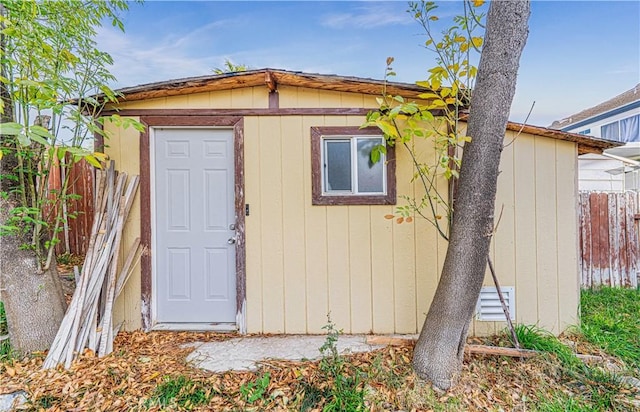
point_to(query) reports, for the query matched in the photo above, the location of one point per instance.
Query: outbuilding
(259, 216)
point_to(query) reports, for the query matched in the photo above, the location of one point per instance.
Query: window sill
(338, 200)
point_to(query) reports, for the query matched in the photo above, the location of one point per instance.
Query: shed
(260, 216)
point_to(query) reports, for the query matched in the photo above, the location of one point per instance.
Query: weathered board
(610, 251)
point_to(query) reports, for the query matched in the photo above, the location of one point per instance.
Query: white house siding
(593, 173)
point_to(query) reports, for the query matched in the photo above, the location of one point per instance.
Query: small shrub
(343, 391)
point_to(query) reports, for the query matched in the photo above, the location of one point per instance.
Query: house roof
(620, 100)
(271, 78)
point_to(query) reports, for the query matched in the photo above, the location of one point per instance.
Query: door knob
(231, 241)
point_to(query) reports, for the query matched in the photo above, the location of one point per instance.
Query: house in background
(261, 212)
(617, 119)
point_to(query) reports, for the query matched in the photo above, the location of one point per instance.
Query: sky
(578, 53)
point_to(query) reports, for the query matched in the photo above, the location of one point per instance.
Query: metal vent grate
(489, 307)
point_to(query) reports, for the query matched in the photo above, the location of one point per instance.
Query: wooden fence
(610, 250)
(74, 237)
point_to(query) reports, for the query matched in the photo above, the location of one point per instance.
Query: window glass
(342, 172)
(370, 175)
(337, 165)
(630, 129)
(610, 131)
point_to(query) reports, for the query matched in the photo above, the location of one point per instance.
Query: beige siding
(370, 273)
(535, 245)
(124, 147)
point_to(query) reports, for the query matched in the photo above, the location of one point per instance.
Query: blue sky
(578, 54)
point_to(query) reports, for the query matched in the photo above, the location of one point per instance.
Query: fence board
(75, 236)
(610, 250)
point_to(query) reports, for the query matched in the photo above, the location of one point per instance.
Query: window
(610, 131)
(585, 132)
(342, 170)
(625, 130)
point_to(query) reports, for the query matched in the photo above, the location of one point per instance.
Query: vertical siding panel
(130, 163)
(293, 224)
(360, 268)
(199, 100)
(288, 96)
(272, 235)
(404, 256)
(316, 244)
(253, 223)
(307, 98)
(504, 238)
(546, 233)
(180, 101)
(382, 270)
(338, 253)
(427, 269)
(220, 99)
(568, 285)
(242, 98)
(525, 230)
(112, 149)
(352, 100)
(338, 265)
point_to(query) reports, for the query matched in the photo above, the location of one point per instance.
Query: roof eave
(266, 77)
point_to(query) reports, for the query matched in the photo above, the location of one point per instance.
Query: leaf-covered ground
(147, 371)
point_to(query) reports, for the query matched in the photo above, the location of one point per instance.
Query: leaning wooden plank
(106, 343)
(134, 251)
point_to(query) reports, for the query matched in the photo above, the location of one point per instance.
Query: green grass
(561, 402)
(535, 338)
(611, 321)
(5, 347)
(179, 391)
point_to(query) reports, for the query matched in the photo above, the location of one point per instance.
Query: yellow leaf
(477, 41)
(389, 216)
(478, 3)
(0, 154)
(459, 39)
(10, 371)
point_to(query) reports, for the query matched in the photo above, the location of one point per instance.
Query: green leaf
(10, 129)
(23, 140)
(93, 161)
(38, 139)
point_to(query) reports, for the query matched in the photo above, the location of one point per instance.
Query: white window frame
(353, 140)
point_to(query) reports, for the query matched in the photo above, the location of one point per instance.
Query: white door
(195, 275)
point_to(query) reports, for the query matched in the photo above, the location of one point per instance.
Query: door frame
(236, 124)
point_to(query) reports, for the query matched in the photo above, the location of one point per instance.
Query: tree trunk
(439, 350)
(34, 303)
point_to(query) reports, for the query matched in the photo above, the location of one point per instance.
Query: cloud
(143, 59)
(367, 17)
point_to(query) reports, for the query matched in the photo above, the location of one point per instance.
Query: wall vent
(489, 307)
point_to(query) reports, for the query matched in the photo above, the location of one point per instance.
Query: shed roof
(271, 78)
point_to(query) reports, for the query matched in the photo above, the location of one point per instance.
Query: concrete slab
(243, 354)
